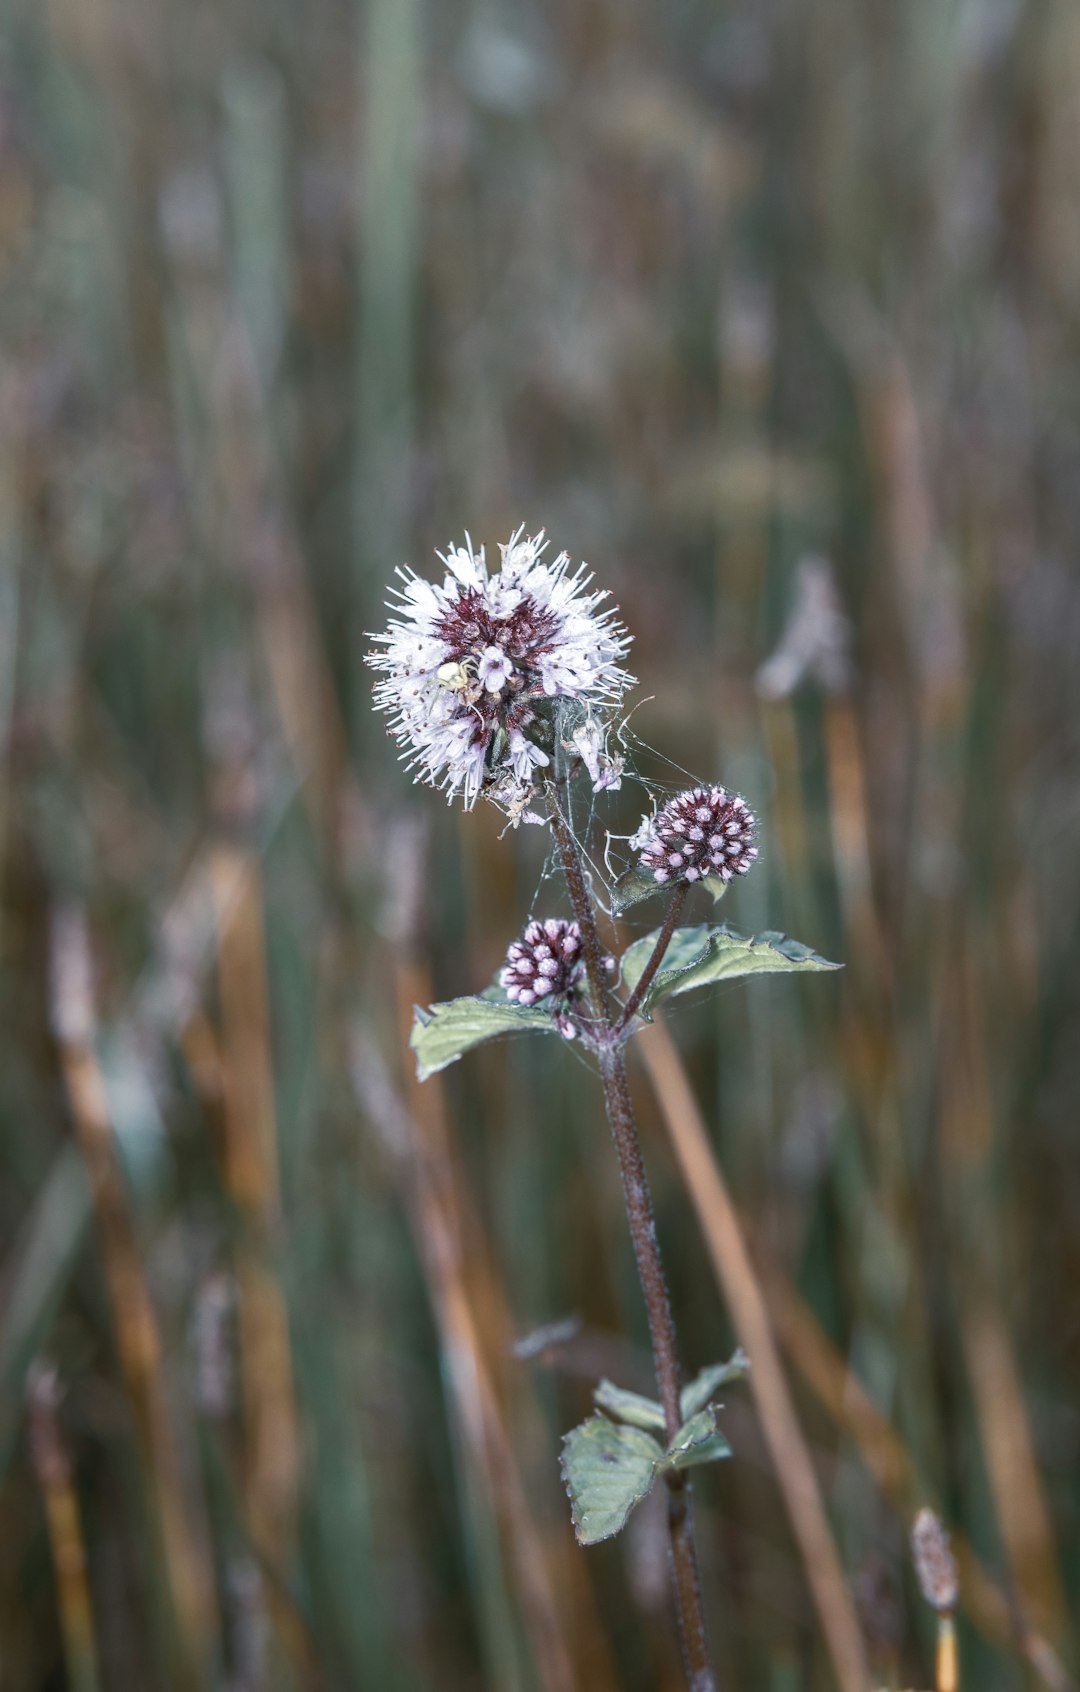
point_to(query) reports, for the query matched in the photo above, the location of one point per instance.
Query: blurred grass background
(711, 291)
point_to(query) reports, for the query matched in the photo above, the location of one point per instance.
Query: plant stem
(639, 1210)
(663, 941)
(574, 871)
(643, 1230)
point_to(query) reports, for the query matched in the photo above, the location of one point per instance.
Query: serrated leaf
(687, 947)
(699, 1440)
(700, 956)
(629, 1406)
(698, 1392)
(607, 1468)
(445, 1032)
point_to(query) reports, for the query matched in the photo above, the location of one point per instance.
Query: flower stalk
(609, 1038)
(656, 958)
(935, 1570)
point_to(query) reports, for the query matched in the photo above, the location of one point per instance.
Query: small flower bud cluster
(935, 1566)
(705, 831)
(546, 963)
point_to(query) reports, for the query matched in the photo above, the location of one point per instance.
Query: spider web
(607, 854)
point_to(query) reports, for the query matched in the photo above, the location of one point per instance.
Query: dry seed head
(935, 1565)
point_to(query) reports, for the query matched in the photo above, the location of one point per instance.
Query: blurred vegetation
(288, 294)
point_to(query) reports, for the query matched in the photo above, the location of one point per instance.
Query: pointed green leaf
(697, 1394)
(699, 956)
(607, 1469)
(687, 948)
(698, 1441)
(638, 884)
(629, 1406)
(716, 885)
(443, 1033)
(631, 888)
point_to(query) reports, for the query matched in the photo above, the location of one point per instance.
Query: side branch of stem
(656, 957)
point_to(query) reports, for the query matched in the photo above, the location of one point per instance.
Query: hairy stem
(639, 1210)
(663, 941)
(574, 871)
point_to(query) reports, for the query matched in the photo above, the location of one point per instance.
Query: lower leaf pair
(609, 1466)
(701, 956)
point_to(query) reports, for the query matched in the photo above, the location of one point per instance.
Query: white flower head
(472, 667)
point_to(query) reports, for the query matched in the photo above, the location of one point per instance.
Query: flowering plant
(506, 685)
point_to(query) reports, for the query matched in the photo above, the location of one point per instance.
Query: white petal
(494, 668)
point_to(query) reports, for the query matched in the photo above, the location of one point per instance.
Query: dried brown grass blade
(1008, 1443)
(1014, 1472)
(413, 1130)
(272, 1456)
(64, 1527)
(843, 1399)
(137, 1336)
(749, 1312)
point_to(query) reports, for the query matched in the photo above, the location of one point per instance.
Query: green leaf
(629, 1406)
(716, 885)
(631, 888)
(446, 1031)
(647, 1413)
(699, 956)
(697, 1394)
(607, 1469)
(638, 884)
(698, 1441)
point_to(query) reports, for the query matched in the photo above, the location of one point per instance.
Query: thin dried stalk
(935, 1571)
(415, 1135)
(547, 1559)
(849, 820)
(64, 1526)
(842, 1397)
(138, 1341)
(749, 1313)
(251, 1175)
(1015, 1481)
(1004, 1428)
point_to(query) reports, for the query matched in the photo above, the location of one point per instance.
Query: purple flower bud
(546, 963)
(705, 831)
